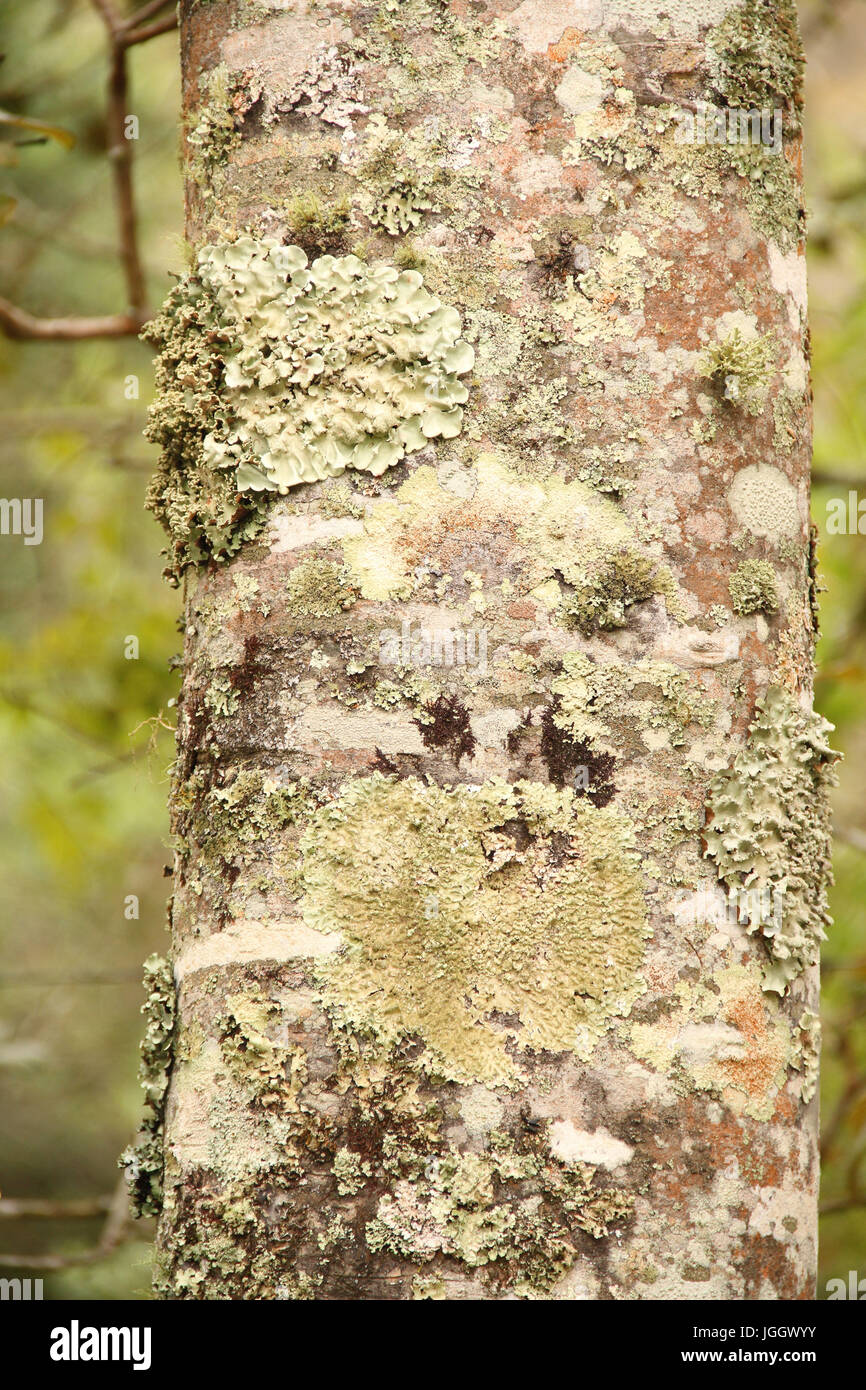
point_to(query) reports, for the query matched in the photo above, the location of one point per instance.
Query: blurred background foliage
(83, 826)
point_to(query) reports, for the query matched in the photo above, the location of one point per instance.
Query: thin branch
(114, 1232)
(17, 323)
(39, 1208)
(120, 154)
(46, 981)
(149, 31)
(835, 477)
(841, 1204)
(145, 13)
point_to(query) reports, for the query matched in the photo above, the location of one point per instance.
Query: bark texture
(500, 803)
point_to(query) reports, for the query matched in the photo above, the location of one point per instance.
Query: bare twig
(149, 31)
(122, 34)
(17, 323)
(114, 1232)
(145, 13)
(120, 154)
(837, 477)
(39, 1208)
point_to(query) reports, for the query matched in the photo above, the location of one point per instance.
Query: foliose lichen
(200, 507)
(757, 57)
(273, 371)
(753, 588)
(144, 1161)
(602, 601)
(466, 1206)
(741, 366)
(333, 365)
(769, 832)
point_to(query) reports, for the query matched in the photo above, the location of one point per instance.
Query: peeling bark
(490, 505)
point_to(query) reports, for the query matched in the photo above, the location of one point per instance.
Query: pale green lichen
(144, 1160)
(806, 1052)
(334, 365)
(272, 1073)
(397, 175)
(455, 935)
(605, 704)
(769, 832)
(221, 697)
(753, 588)
(320, 229)
(231, 820)
(351, 1171)
(214, 131)
(602, 601)
(741, 366)
(273, 372)
(200, 507)
(564, 545)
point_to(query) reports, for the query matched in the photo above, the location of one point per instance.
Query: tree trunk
(500, 804)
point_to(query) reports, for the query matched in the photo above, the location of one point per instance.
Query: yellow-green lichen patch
(561, 543)
(603, 599)
(595, 698)
(318, 588)
(215, 129)
(725, 1037)
(271, 1073)
(251, 809)
(199, 505)
(467, 1207)
(753, 588)
(769, 832)
(481, 941)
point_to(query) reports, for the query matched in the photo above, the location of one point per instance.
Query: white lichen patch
(598, 1147)
(765, 502)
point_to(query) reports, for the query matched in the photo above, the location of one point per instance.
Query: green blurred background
(83, 826)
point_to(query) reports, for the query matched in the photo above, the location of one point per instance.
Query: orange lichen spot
(561, 51)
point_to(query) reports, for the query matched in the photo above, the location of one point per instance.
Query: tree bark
(500, 803)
